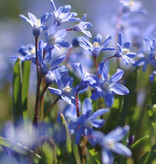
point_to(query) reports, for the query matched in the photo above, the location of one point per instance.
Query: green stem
(50, 108)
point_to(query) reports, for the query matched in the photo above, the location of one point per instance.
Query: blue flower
(106, 88)
(37, 24)
(82, 57)
(83, 26)
(123, 51)
(97, 45)
(147, 55)
(85, 123)
(132, 6)
(110, 143)
(55, 38)
(27, 53)
(152, 76)
(63, 14)
(65, 90)
(87, 78)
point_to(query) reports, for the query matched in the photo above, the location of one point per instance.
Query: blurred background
(14, 32)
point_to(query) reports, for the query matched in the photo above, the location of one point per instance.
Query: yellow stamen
(67, 89)
(38, 22)
(96, 44)
(33, 51)
(125, 51)
(131, 3)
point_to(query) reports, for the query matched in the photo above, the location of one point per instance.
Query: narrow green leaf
(17, 92)
(68, 145)
(26, 66)
(151, 111)
(96, 157)
(139, 142)
(130, 99)
(49, 152)
(154, 92)
(76, 153)
(17, 147)
(148, 157)
(114, 114)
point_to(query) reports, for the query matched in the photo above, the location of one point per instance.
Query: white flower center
(110, 144)
(38, 22)
(67, 89)
(125, 51)
(96, 44)
(33, 51)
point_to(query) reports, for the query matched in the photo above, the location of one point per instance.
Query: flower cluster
(71, 72)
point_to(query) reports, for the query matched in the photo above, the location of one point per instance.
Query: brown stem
(95, 62)
(84, 150)
(36, 116)
(109, 58)
(44, 52)
(70, 29)
(77, 103)
(68, 55)
(42, 101)
(50, 108)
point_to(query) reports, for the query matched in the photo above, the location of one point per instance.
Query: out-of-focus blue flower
(106, 88)
(37, 24)
(65, 90)
(147, 55)
(131, 5)
(27, 53)
(63, 14)
(97, 45)
(82, 57)
(123, 50)
(110, 143)
(83, 26)
(152, 76)
(87, 78)
(55, 38)
(25, 135)
(85, 123)
(49, 63)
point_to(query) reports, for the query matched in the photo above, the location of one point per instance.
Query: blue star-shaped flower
(123, 51)
(26, 53)
(147, 55)
(55, 38)
(106, 88)
(110, 143)
(97, 45)
(65, 90)
(83, 26)
(87, 78)
(63, 14)
(37, 24)
(85, 123)
(132, 6)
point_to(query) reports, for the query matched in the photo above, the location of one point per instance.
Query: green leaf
(130, 99)
(17, 92)
(114, 114)
(17, 147)
(154, 92)
(95, 156)
(68, 145)
(26, 66)
(139, 142)
(151, 114)
(49, 152)
(148, 157)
